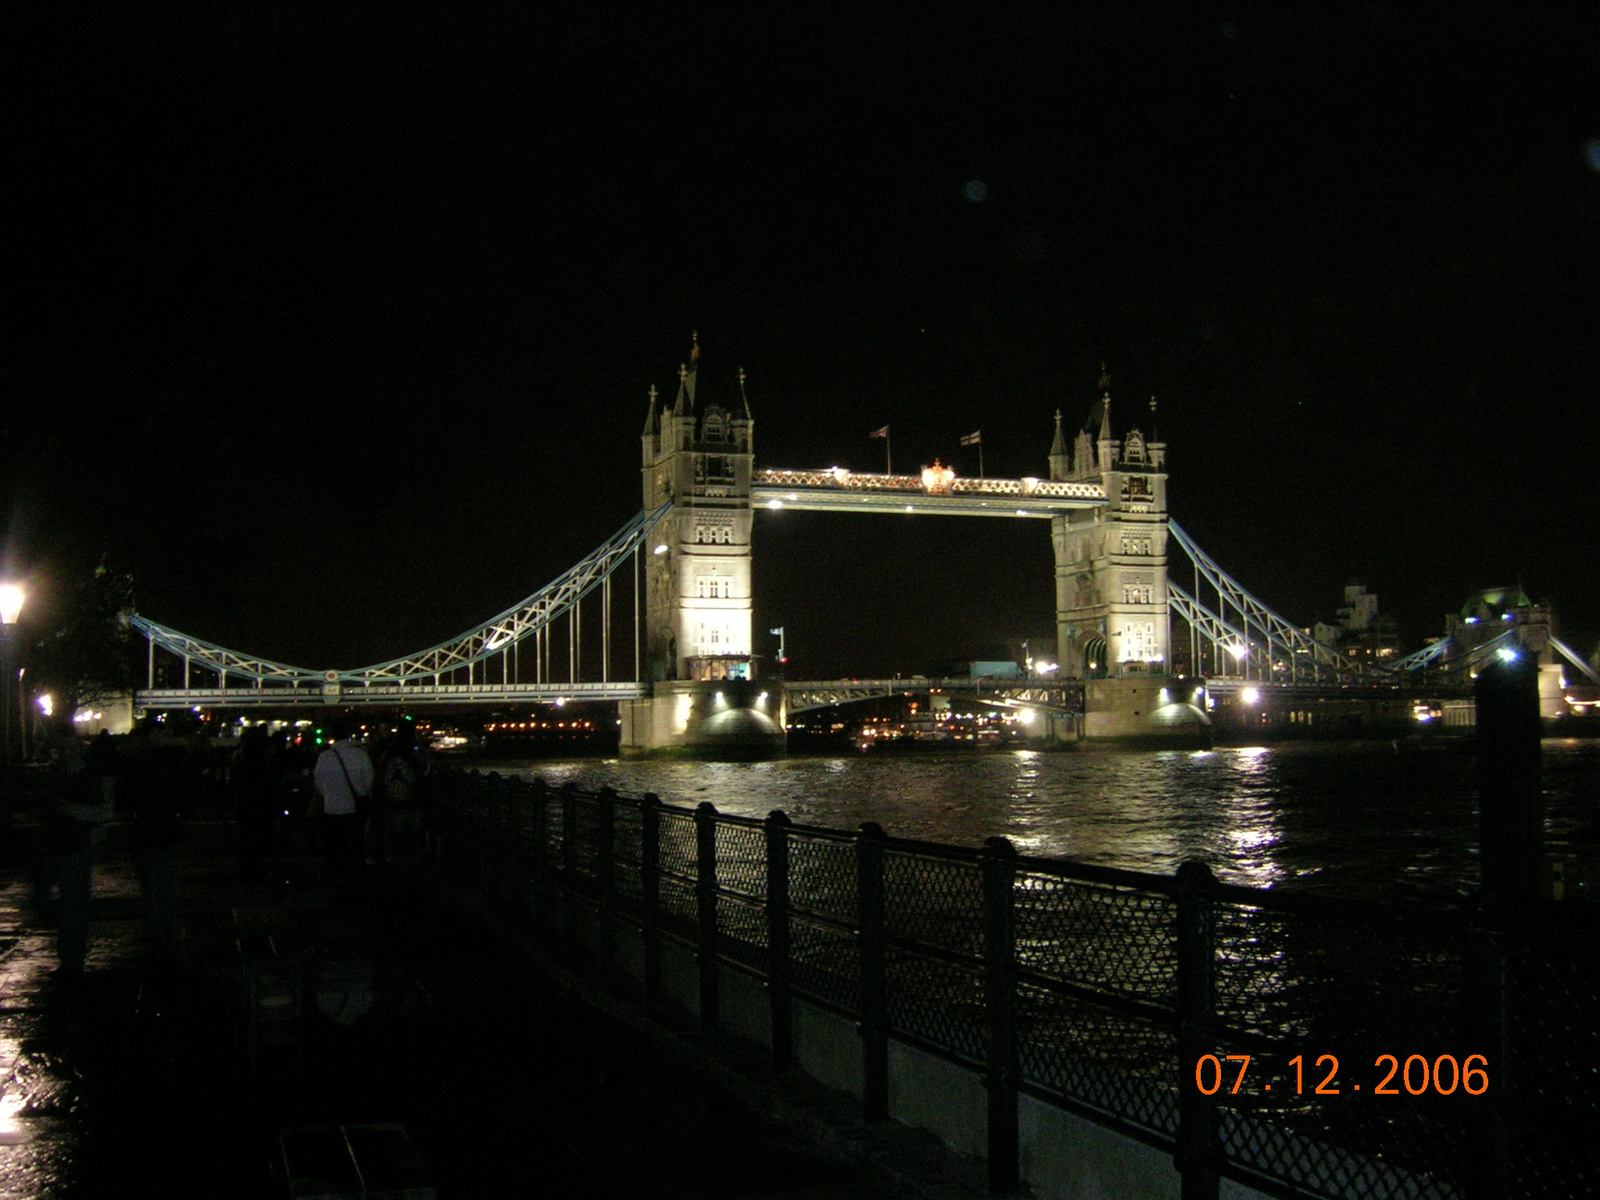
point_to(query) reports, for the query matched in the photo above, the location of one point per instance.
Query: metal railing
(1100, 991)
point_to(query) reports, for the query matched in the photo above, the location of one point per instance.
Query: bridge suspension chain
(530, 618)
(1259, 627)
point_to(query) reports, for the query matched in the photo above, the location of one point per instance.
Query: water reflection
(1356, 819)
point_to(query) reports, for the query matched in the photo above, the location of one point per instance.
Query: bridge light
(1507, 654)
(1250, 695)
(774, 503)
(661, 549)
(47, 705)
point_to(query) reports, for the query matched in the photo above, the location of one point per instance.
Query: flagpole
(980, 457)
(888, 454)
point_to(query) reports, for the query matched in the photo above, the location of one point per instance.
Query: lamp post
(11, 598)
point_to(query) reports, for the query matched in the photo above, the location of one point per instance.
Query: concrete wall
(1063, 1156)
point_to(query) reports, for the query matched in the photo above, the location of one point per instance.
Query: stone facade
(697, 577)
(1111, 562)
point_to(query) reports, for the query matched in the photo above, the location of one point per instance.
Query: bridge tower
(698, 457)
(1111, 562)
(697, 591)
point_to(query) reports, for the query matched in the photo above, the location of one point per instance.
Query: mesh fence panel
(743, 928)
(1353, 987)
(1119, 1064)
(1111, 938)
(822, 876)
(587, 815)
(932, 900)
(742, 859)
(678, 855)
(554, 832)
(937, 1001)
(825, 964)
(627, 845)
(1552, 1076)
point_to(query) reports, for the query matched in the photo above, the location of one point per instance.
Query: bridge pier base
(1137, 711)
(730, 719)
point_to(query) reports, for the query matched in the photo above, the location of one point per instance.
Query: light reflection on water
(1351, 818)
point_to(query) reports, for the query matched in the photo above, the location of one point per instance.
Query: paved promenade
(508, 1075)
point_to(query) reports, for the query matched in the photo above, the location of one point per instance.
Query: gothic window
(713, 587)
(1138, 641)
(1138, 594)
(1137, 543)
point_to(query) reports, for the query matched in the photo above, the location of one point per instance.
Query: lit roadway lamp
(11, 598)
(1240, 652)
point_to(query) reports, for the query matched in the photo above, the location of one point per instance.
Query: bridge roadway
(839, 490)
(1056, 696)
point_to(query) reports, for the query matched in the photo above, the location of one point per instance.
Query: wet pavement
(503, 1069)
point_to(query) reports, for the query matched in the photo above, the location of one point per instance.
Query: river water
(1353, 819)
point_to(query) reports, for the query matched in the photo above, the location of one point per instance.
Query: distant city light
(47, 704)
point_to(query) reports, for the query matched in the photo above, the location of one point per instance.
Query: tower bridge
(659, 617)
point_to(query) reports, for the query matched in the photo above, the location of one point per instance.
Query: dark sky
(334, 323)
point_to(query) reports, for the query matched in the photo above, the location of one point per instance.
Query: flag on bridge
(888, 459)
(974, 438)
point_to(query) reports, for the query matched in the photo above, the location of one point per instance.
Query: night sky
(334, 324)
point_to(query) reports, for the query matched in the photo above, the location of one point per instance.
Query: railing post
(499, 809)
(604, 870)
(874, 1025)
(779, 974)
(1197, 1153)
(999, 868)
(539, 834)
(705, 888)
(650, 895)
(1488, 1173)
(569, 864)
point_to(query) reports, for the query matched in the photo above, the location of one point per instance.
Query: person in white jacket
(343, 778)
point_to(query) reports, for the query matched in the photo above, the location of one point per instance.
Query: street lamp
(11, 598)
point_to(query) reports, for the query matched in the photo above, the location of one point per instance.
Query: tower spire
(678, 404)
(650, 417)
(742, 396)
(1060, 461)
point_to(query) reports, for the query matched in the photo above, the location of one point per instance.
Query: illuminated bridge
(658, 617)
